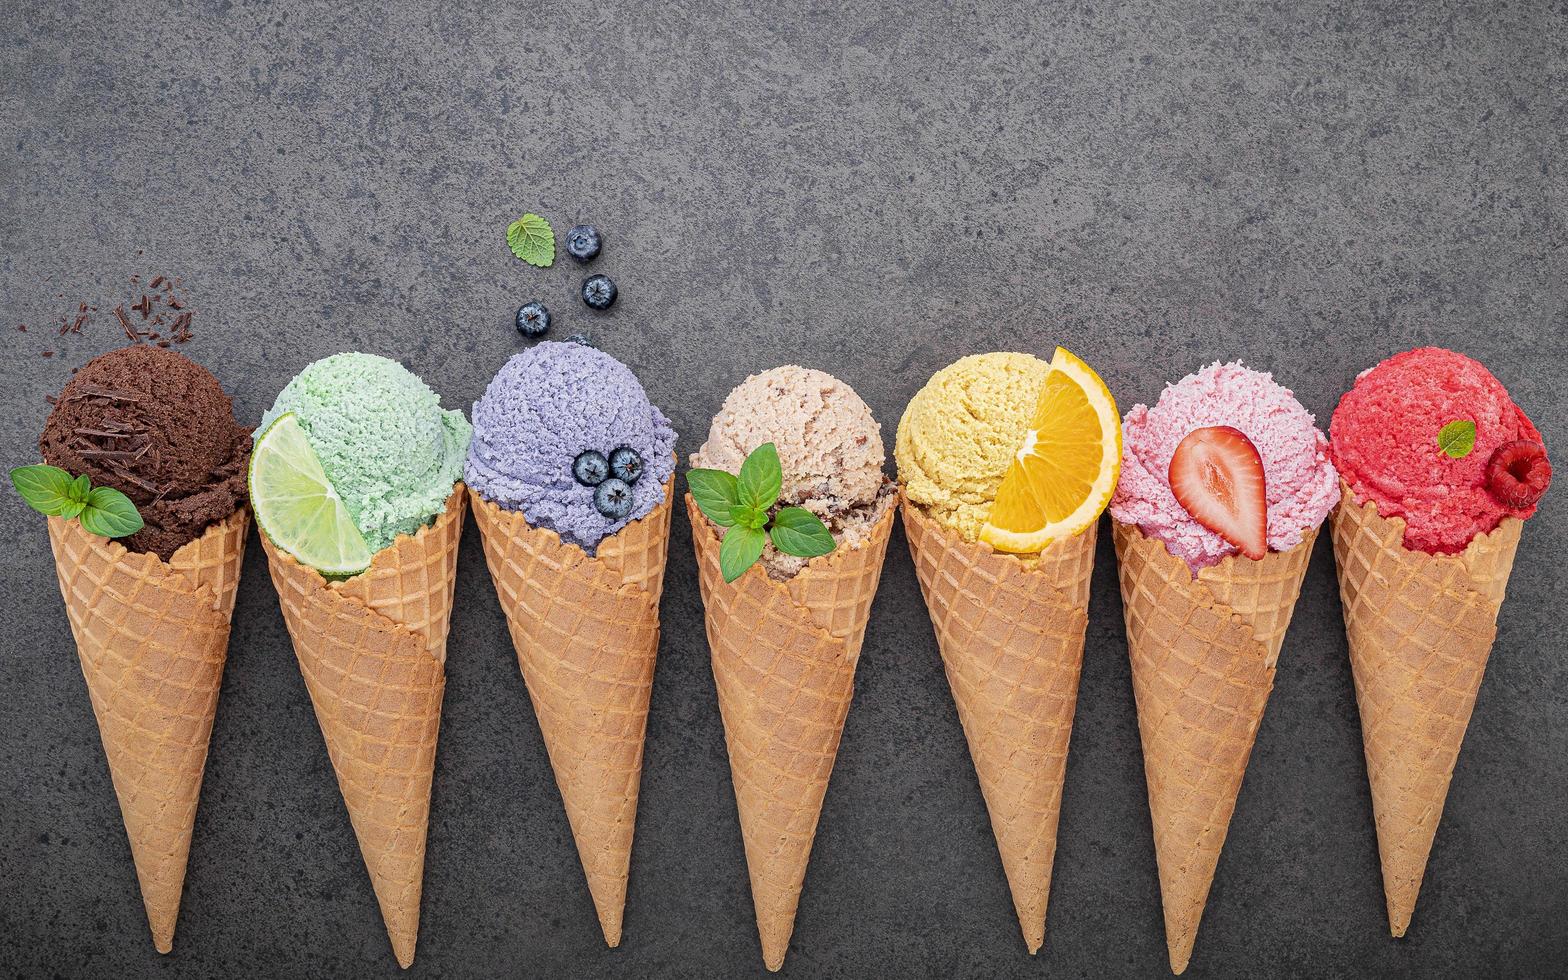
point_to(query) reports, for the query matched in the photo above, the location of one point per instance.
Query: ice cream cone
(153, 637)
(1203, 652)
(784, 656)
(1420, 628)
(586, 631)
(1011, 635)
(372, 649)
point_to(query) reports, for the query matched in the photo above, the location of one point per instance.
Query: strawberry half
(1217, 475)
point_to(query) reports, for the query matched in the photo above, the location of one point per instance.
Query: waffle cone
(586, 631)
(1011, 634)
(372, 650)
(1203, 652)
(784, 656)
(1420, 628)
(153, 637)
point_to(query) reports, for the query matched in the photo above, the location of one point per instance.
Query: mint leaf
(797, 531)
(739, 550)
(80, 488)
(73, 509)
(761, 477)
(532, 240)
(1457, 438)
(110, 513)
(47, 489)
(717, 494)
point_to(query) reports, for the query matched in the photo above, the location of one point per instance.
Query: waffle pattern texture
(1011, 633)
(372, 650)
(153, 637)
(586, 631)
(1203, 652)
(784, 656)
(1420, 628)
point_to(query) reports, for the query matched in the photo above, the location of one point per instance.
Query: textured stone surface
(873, 192)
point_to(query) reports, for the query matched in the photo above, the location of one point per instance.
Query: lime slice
(296, 505)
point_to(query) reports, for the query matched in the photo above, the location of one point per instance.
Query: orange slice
(1064, 473)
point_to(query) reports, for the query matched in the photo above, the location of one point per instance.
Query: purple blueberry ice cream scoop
(545, 407)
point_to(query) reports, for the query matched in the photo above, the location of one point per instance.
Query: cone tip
(773, 958)
(1399, 914)
(403, 949)
(162, 927)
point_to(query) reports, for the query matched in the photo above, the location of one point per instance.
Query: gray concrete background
(875, 191)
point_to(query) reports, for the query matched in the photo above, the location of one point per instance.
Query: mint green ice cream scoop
(389, 448)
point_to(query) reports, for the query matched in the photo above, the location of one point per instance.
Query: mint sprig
(744, 503)
(533, 240)
(1457, 438)
(52, 491)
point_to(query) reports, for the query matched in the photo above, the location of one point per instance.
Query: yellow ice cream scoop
(1010, 450)
(960, 433)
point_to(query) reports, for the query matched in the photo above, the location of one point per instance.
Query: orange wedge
(1063, 475)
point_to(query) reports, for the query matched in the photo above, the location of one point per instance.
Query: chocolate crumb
(48, 353)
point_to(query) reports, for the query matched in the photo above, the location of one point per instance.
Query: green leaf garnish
(102, 510)
(717, 494)
(532, 240)
(47, 489)
(110, 513)
(1457, 438)
(743, 504)
(761, 478)
(740, 549)
(797, 531)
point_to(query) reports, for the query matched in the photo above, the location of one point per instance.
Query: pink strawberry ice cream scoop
(1300, 483)
(1385, 440)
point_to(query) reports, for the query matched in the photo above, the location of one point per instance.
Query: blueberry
(533, 320)
(582, 242)
(590, 468)
(580, 338)
(625, 464)
(599, 292)
(613, 499)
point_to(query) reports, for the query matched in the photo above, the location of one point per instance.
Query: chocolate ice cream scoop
(156, 426)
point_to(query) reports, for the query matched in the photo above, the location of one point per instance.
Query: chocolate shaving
(156, 282)
(107, 434)
(94, 391)
(144, 307)
(125, 323)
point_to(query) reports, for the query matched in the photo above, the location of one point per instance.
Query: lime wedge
(296, 505)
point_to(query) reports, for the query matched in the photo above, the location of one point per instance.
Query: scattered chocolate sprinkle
(166, 313)
(48, 353)
(52, 399)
